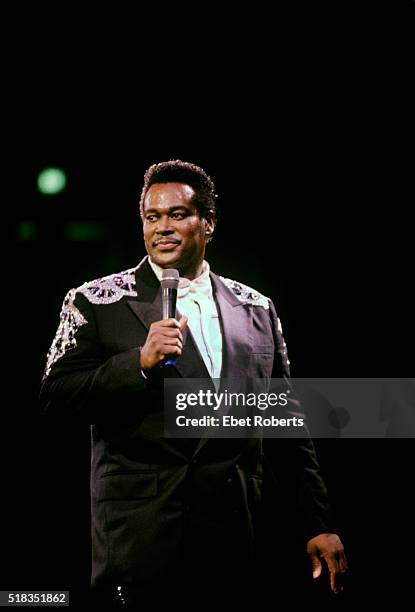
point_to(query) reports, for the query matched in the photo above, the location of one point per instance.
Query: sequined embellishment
(70, 321)
(106, 290)
(110, 289)
(245, 294)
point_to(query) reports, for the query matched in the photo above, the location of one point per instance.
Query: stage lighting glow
(26, 230)
(84, 231)
(51, 181)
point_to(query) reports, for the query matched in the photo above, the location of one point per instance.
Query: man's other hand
(330, 548)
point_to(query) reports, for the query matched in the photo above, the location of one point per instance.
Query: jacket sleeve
(292, 464)
(79, 379)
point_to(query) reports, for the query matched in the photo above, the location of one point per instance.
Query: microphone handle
(169, 298)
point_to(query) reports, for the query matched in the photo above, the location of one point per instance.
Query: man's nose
(163, 226)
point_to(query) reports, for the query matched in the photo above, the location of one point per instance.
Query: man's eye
(177, 215)
(151, 218)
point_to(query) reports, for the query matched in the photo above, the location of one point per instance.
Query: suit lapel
(236, 327)
(237, 335)
(190, 363)
(147, 305)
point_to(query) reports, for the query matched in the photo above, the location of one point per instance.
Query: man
(172, 517)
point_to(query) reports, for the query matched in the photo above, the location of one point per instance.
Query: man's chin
(165, 260)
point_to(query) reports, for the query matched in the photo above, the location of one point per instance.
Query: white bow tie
(199, 287)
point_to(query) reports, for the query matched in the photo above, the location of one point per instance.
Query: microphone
(169, 284)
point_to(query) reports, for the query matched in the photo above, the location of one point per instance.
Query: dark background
(312, 156)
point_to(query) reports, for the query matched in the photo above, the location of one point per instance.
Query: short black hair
(177, 171)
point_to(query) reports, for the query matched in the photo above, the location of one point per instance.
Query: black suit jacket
(162, 505)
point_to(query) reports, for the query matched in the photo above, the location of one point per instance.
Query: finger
(333, 583)
(340, 576)
(183, 323)
(167, 332)
(336, 574)
(167, 323)
(343, 562)
(168, 349)
(169, 342)
(337, 582)
(316, 566)
(332, 567)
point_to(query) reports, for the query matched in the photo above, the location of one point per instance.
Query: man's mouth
(166, 244)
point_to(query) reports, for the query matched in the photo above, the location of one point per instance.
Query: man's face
(175, 235)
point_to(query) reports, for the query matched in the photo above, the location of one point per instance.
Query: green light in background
(51, 181)
(84, 230)
(26, 230)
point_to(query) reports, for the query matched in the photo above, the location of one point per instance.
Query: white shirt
(195, 300)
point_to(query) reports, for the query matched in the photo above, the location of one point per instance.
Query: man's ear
(209, 228)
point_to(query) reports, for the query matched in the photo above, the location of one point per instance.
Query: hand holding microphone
(165, 341)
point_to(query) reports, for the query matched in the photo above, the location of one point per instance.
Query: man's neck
(193, 272)
(190, 273)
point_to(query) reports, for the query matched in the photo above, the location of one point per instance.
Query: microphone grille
(170, 278)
